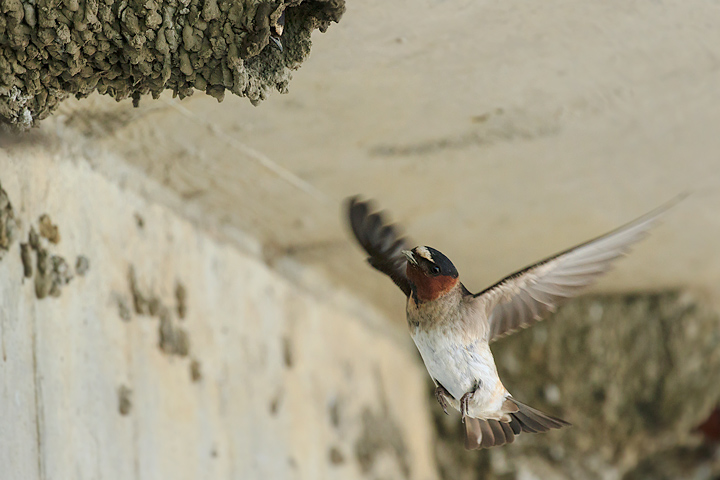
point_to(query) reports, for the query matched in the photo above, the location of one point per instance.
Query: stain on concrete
(335, 456)
(133, 48)
(124, 309)
(82, 265)
(288, 354)
(48, 229)
(139, 221)
(491, 128)
(181, 300)
(8, 224)
(124, 400)
(334, 412)
(195, 370)
(276, 403)
(155, 307)
(173, 339)
(140, 303)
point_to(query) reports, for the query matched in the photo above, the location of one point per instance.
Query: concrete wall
(103, 378)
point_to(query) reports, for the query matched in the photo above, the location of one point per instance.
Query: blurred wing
(380, 241)
(528, 296)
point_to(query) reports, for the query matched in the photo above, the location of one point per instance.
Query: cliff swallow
(453, 328)
(276, 32)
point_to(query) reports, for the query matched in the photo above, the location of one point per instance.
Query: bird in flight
(453, 328)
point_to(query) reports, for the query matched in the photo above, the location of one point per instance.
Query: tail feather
(509, 434)
(481, 433)
(487, 433)
(536, 421)
(473, 434)
(515, 425)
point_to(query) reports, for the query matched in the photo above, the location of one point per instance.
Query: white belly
(460, 368)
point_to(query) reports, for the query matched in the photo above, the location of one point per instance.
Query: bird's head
(431, 273)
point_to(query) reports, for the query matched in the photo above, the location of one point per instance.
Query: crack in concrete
(39, 417)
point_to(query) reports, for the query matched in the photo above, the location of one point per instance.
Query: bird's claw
(465, 401)
(441, 396)
(464, 405)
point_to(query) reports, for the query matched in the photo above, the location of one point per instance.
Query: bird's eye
(435, 270)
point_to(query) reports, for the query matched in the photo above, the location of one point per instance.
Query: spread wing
(380, 241)
(529, 295)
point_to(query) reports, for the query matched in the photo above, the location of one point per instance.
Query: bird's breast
(456, 365)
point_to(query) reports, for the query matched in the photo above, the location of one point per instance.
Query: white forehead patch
(424, 253)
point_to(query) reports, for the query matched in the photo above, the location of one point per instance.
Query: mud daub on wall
(51, 271)
(132, 48)
(8, 224)
(172, 338)
(633, 373)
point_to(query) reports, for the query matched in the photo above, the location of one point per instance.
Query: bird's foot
(465, 401)
(441, 395)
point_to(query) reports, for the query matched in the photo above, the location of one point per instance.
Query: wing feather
(380, 241)
(529, 295)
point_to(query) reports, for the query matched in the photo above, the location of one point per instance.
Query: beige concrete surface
(264, 377)
(498, 132)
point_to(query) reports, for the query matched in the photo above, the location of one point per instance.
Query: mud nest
(51, 49)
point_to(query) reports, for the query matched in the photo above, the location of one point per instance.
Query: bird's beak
(276, 42)
(410, 256)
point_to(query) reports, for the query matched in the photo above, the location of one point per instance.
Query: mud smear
(8, 224)
(82, 265)
(51, 272)
(131, 48)
(335, 456)
(172, 339)
(288, 355)
(195, 370)
(181, 299)
(123, 309)
(26, 258)
(124, 400)
(48, 229)
(492, 128)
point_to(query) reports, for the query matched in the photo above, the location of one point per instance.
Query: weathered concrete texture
(51, 49)
(175, 356)
(635, 374)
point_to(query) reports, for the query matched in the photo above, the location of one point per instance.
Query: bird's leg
(441, 395)
(465, 400)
